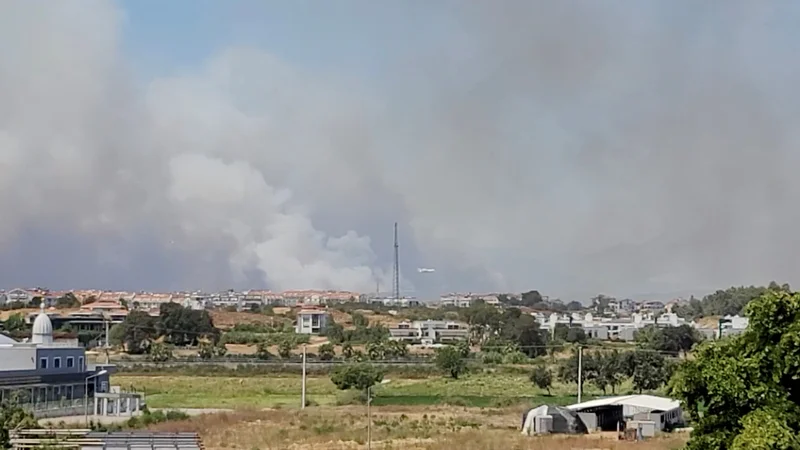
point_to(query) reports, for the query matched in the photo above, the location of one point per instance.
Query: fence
(57, 408)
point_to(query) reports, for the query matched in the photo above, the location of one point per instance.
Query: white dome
(42, 329)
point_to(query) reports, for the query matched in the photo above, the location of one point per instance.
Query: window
(80, 363)
(70, 361)
(43, 363)
(56, 363)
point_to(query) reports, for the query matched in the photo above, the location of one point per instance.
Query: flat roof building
(311, 320)
(42, 374)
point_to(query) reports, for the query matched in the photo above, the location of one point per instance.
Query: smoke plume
(561, 146)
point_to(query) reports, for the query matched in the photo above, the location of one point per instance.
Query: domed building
(47, 375)
(42, 329)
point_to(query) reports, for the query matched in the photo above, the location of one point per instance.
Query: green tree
(160, 352)
(396, 349)
(68, 300)
(463, 348)
(208, 350)
(15, 322)
(376, 351)
(743, 392)
(359, 321)
(13, 417)
(262, 351)
(649, 369)
(576, 335)
(347, 350)
(334, 332)
(672, 340)
(449, 359)
(185, 326)
(285, 347)
(542, 378)
(139, 332)
(326, 352)
(356, 376)
(605, 369)
(116, 335)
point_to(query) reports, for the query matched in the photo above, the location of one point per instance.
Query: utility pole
(580, 376)
(303, 395)
(369, 418)
(396, 274)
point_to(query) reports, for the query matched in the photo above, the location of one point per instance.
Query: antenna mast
(396, 279)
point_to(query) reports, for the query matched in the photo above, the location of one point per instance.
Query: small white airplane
(424, 270)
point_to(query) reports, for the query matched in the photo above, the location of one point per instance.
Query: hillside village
(606, 319)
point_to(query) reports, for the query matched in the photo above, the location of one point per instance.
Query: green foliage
(381, 350)
(262, 351)
(356, 376)
(139, 331)
(743, 392)
(649, 369)
(515, 357)
(285, 348)
(208, 350)
(151, 418)
(463, 348)
(116, 335)
(160, 352)
(607, 369)
(673, 340)
(359, 321)
(185, 326)
(449, 359)
(15, 322)
(731, 301)
(491, 328)
(68, 300)
(327, 352)
(542, 378)
(13, 417)
(347, 350)
(274, 338)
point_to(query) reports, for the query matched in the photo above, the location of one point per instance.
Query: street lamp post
(86, 394)
(369, 415)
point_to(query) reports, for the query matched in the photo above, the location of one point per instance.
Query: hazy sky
(571, 147)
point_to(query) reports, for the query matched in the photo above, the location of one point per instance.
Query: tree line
(731, 301)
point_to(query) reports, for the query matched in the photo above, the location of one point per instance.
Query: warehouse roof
(90, 440)
(650, 402)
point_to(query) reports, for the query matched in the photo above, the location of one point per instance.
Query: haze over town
(630, 149)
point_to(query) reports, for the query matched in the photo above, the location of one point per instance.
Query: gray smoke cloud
(571, 147)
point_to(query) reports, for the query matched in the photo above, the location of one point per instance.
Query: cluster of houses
(240, 300)
(625, 328)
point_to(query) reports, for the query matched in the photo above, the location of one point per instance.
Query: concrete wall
(16, 359)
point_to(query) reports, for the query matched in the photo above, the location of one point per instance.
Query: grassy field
(394, 427)
(479, 411)
(482, 390)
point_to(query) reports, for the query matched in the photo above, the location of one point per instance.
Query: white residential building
(603, 328)
(311, 320)
(430, 331)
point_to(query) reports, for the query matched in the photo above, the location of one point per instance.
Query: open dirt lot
(408, 428)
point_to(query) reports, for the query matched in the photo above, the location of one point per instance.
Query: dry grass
(408, 428)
